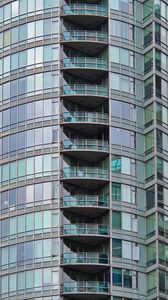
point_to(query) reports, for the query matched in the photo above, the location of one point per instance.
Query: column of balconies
(84, 147)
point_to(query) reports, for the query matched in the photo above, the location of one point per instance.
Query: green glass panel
(147, 8)
(151, 254)
(116, 248)
(116, 220)
(116, 191)
(151, 280)
(150, 170)
(116, 164)
(150, 225)
(149, 141)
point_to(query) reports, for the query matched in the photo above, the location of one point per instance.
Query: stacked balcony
(85, 229)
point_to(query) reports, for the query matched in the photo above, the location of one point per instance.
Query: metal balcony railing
(85, 200)
(84, 116)
(85, 144)
(85, 89)
(85, 35)
(85, 258)
(85, 62)
(86, 287)
(85, 172)
(86, 229)
(85, 9)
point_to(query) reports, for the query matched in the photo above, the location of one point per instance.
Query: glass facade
(83, 149)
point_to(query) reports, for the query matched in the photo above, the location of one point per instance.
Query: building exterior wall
(83, 96)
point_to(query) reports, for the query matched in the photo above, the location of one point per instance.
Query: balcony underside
(91, 129)
(86, 268)
(86, 46)
(88, 20)
(87, 155)
(89, 74)
(88, 183)
(86, 296)
(91, 240)
(86, 100)
(88, 211)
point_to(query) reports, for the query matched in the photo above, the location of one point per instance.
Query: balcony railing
(86, 287)
(85, 35)
(85, 62)
(84, 116)
(85, 229)
(85, 89)
(85, 172)
(96, 145)
(85, 200)
(85, 9)
(86, 258)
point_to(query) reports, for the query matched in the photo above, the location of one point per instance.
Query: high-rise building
(84, 149)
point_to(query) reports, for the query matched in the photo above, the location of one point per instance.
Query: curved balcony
(85, 9)
(80, 203)
(85, 117)
(80, 66)
(84, 148)
(85, 35)
(86, 90)
(86, 290)
(91, 262)
(90, 177)
(85, 38)
(85, 144)
(90, 233)
(86, 121)
(85, 62)
(89, 94)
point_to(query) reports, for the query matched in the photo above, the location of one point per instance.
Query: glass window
(127, 277)
(23, 7)
(15, 9)
(20, 253)
(23, 32)
(38, 192)
(39, 28)
(31, 30)
(39, 55)
(115, 54)
(31, 5)
(21, 280)
(150, 225)
(4, 285)
(151, 254)
(29, 251)
(12, 197)
(116, 164)
(116, 220)
(116, 248)
(116, 191)
(12, 282)
(126, 221)
(22, 59)
(4, 200)
(126, 249)
(126, 193)
(117, 276)
(126, 168)
(12, 254)
(7, 10)
(29, 279)
(151, 280)
(38, 279)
